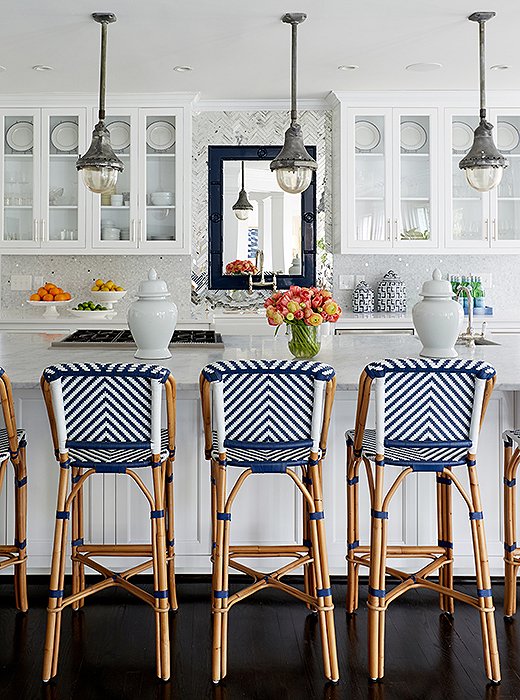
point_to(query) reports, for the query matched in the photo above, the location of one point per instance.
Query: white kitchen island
(118, 512)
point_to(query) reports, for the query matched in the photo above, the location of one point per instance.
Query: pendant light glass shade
(294, 166)
(484, 164)
(242, 206)
(100, 165)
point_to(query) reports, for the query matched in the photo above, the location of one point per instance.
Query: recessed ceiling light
(500, 66)
(424, 67)
(183, 69)
(348, 67)
(41, 67)
(2, 68)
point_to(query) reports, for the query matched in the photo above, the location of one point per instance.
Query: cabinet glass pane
(160, 178)
(63, 178)
(18, 179)
(467, 222)
(370, 178)
(115, 205)
(508, 142)
(414, 142)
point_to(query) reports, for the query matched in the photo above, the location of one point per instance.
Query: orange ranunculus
(314, 320)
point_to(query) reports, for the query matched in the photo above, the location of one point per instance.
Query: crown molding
(282, 105)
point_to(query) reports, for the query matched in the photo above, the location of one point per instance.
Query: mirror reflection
(269, 234)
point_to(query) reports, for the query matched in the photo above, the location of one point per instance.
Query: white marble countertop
(24, 355)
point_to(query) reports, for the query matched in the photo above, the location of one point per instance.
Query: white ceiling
(239, 49)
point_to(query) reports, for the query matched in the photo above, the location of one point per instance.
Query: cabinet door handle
(486, 224)
(396, 229)
(494, 229)
(44, 231)
(388, 229)
(35, 230)
(132, 230)
(140, 230)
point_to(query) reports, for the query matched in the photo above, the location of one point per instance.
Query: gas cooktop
(124, 339)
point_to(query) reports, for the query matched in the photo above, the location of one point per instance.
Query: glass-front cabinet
(43, 202)
(505, 215)
(392, 178)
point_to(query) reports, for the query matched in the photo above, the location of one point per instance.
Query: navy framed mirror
(277, 234)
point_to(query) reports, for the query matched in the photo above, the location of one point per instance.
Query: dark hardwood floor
(108, 650)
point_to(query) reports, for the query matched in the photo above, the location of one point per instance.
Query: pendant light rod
(104, 18)
(243, 175)
(294, 19)
(482, 18)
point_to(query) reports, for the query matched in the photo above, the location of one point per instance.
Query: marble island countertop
(24, 355)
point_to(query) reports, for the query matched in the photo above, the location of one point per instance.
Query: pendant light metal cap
(483, 153)
(242, 202)
(294, 154)
(100, 154)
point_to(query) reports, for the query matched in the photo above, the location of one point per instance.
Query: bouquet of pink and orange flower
(241, 267)
(303, 309)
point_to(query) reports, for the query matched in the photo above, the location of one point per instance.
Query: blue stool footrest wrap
(381, 514)
(476, 515)
(484, 592)
(221, 594)
(377, 592)
(318, 515)
(323, 592)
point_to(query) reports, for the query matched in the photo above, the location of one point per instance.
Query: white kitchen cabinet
(391, 178)
(43, 201)
(153, 157)
(45, 205)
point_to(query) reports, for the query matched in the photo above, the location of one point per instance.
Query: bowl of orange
(49, 297)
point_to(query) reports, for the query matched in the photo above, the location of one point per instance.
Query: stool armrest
(205, 399)
(327, 410)
(46, 391)
(171, 414)
(363, 400)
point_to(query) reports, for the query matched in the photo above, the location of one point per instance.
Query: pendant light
(100, 165)
(293, 165)
(242, 206)
(484, 164)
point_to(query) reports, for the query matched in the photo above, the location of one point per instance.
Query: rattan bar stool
(269, 417)
(106, 418)
(12, 448)
(428, 418)
(511, 549)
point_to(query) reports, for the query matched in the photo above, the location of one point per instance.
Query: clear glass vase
(304, 341)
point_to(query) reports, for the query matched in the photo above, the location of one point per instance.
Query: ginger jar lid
(437, 287)
(153, 287)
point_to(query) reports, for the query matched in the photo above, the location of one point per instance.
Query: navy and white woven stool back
(109, 406)
(429, 403)
(268, 404)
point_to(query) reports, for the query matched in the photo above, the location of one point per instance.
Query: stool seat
(511, 436)
(134, 458)
(436, 458)
(257, 458)
(4, 442)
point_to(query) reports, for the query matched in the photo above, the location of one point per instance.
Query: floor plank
(108, 650)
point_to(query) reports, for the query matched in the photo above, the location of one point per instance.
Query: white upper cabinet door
(63, 201)
(415, 157)
(368, 178)
(467, 211)
(20, 182)
(505, 199)
(115, 214)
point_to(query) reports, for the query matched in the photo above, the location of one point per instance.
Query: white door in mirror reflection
(274, 225)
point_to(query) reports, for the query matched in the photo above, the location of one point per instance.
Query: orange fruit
(48, 297)
(48, 285)
(34, 297)
(59, 290)
(67, 296)
(60, 297)
(42, 292)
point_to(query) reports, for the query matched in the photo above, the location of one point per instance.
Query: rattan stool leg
(324, 595)
(219, 592)
(510, 469)
(309, 575)
(160, 576)
(20, 505)
(78, 569)
(352, 599)
(376, 586)
(487, 615)
(52, 635)
(170, 536)
(445, 539)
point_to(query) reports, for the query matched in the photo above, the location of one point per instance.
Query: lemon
(99, 283)
(104, 288)
(95, 288)
(119, 289)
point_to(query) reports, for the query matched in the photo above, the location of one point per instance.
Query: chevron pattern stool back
(428, 415)
(106, 418)
(269, 416)
(511, 440)
(12, 448)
